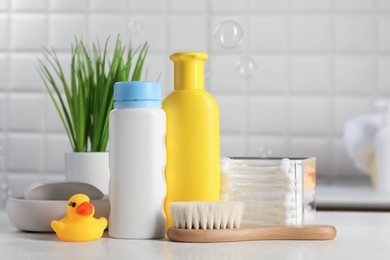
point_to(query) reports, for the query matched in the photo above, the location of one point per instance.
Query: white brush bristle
(206, 215)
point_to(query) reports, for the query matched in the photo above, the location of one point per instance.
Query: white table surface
(360, 236)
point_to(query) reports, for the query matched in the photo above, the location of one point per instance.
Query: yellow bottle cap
(188, 70)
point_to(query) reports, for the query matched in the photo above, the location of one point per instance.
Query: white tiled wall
(320, 62)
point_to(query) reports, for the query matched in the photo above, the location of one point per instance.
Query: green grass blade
(65, 123)
(88, 101)
(140, 62)
(51, 80)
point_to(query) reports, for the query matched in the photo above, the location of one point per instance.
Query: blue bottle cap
(137, 94)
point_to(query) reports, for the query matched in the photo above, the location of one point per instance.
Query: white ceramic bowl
(36, 215)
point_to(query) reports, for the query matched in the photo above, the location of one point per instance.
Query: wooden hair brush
(203, 222)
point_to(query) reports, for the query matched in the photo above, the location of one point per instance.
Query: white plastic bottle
(137, 161)
(382, 153)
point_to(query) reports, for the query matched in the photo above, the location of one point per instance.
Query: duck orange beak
(85, 209)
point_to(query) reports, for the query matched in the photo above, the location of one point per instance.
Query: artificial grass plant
(84, 103)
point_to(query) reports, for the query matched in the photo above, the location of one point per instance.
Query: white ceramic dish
(61, 191)
(36, 215)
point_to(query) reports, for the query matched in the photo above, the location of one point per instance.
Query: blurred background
(300, 70)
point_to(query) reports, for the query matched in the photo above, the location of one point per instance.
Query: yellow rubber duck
(79, 225)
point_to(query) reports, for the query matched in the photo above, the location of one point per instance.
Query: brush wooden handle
(313, 232)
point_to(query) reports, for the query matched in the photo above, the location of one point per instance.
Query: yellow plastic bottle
(193, 152)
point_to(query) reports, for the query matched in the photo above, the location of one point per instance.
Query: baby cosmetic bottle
(193, 160)
(137, 161)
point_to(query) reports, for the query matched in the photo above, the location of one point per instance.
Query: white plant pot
(88, 167)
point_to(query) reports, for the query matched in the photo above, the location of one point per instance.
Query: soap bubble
(135, 27)
(228, 34)
(246, 67)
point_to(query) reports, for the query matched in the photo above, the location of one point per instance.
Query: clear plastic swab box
(275, 191)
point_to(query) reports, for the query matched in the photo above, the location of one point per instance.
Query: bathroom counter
(351, 197)
(360, 236)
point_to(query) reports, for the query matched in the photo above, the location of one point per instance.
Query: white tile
(267, 146)
(4, 29)
(267, 115)
(354, 4)
(63, 28)
(24, 152)
(148, 5)
(24, 64)
(170, 78)
(3, 71)
(2, 115)
(188, 33)
(224, 77)
(311, 74)
(314, 147)
(271, 77)
(268, 33)
(354, 75)
(19, 182)
(4, 5)
(55, 148)
(346, 108)
(311, 5)
(266, 5)
(310, 115)
(228, 5)
(344, 165)
(231, 114)
(384, 4)
(28, 31)
(69, 5)
(188, 5)
(311, 32)
(54, 177)
(28, 5)
(241, 42)
(153, 30)
(383, 24)
(103, 26)
(2, 149)
(384, 74)
(25, 112)
(354, 32)
(232, 146)
(104, 5)
(154, 69)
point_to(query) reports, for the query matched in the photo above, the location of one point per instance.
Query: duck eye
(72, 204)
